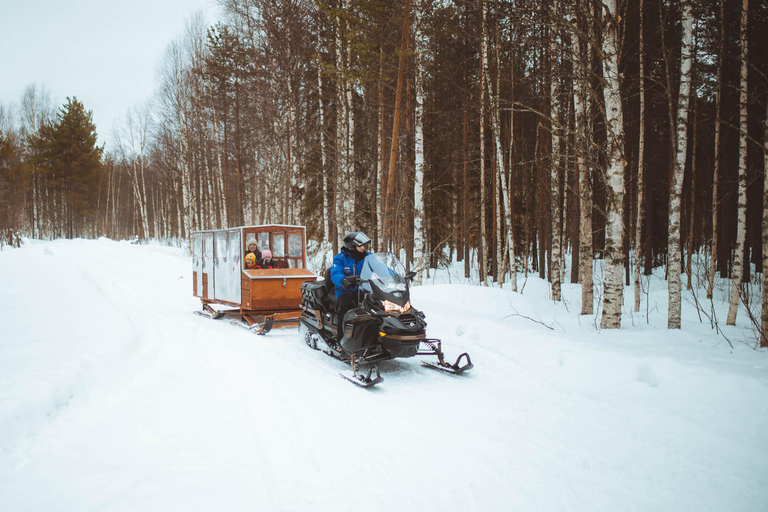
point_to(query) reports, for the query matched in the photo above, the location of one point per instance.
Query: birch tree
(554, 164)
(613, 287)
(676, 185)
(741, 216)
(483, 260)
(132, 139)
(342, 184)
(36, 109)
(418, 184)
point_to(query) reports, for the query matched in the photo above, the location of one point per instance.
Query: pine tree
(69, 153)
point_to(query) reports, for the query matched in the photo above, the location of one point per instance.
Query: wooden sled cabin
(261, 298)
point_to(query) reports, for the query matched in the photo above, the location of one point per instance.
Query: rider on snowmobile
(346, 271)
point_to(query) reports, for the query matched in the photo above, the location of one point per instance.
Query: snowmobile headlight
(391, 307)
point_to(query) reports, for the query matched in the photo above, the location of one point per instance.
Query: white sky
(103, 52)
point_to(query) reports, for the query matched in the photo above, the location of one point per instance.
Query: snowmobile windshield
(385, 272)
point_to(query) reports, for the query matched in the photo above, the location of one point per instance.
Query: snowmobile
(384, 325)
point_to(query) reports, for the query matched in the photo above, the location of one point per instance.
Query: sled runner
(258, 299)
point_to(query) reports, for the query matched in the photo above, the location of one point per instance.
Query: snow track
(117, 397)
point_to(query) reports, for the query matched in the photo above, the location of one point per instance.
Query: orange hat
(250, 260)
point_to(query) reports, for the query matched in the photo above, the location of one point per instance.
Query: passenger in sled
(252, 256)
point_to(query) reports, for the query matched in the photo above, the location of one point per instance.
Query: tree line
(506, 134)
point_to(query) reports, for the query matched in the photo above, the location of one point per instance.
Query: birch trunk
(483, 79)
(505, 245)
(716, 177)
(351, 175)
(741, 222)
(381, 157)
(640, 219)
(676, 185)
(613, 287)
(321, 110)
(554, 163)
(418, 185)
(293, 161)
(341, 185)
(764, 338)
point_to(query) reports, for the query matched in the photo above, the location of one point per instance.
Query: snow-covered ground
(114, 396)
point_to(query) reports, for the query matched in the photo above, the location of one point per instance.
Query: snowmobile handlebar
(351, 281)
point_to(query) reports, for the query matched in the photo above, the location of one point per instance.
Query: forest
(511, 135)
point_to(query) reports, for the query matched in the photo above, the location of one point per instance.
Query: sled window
(294, 245)
(263, 239)
(278, 242)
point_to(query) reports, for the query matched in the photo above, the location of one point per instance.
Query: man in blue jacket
(345, 272)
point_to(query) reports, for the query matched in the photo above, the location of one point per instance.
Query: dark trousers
(345, 302)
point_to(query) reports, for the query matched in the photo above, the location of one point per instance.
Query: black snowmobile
(383, 326)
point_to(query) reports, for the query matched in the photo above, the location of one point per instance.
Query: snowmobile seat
(330, 288)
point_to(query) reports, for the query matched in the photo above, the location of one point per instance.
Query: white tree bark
(323, 168)
(350, 207)
(419, 239)
(503, 200)
(741, 216)
(293, 160)
(342, 179)
(483, 86)
(554, 167)
(676, 185)
(613, 287)
(219, 177)
(381, 157)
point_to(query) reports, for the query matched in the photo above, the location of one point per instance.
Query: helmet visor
(360, 239)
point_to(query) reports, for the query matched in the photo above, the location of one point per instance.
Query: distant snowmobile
(383, 326)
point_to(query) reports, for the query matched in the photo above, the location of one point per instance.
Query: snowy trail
(157, 409)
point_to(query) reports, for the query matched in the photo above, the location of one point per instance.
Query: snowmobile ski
(455, 368)
(364, 380)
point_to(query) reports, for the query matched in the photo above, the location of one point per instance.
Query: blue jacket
(345, 265)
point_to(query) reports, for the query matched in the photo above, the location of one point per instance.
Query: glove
(350, 281)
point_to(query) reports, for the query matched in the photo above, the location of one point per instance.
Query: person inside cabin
(266, 259)
(346, 271)
(252, 255)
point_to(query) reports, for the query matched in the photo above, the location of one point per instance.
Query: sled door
(202, 263)
(227, 266)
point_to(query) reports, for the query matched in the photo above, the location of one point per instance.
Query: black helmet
(355, 239)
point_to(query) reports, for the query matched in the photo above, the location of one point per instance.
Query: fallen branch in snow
(529, 318)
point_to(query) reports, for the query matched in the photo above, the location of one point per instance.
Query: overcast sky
(104, 52)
